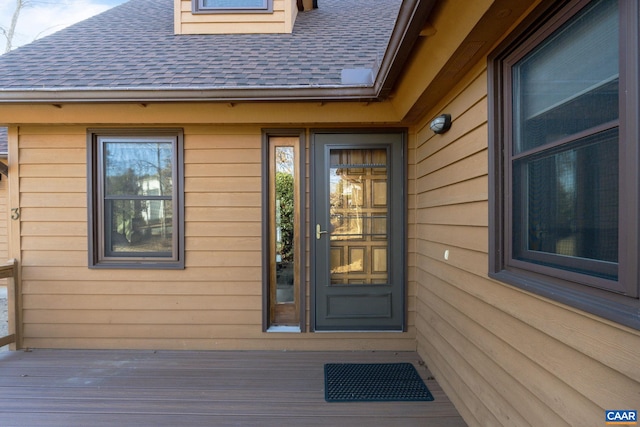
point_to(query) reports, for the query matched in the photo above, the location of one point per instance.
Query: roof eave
(163, 94)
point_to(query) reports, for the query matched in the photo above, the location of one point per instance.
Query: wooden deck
(70, 388)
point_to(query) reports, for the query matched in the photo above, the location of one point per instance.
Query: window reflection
(284, 223)
(358, 212)
(569, 83)
(571, 201)
(138, 191)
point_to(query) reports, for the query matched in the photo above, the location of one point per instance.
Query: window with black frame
(565, 216)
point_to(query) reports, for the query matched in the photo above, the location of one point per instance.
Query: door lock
(319, 232)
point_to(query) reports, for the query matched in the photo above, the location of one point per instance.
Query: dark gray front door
(359, 231)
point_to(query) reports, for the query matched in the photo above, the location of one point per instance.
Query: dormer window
(233, 6)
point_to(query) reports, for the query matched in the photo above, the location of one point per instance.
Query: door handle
(319, 232)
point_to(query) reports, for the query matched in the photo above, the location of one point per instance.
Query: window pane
(570, 82)
(566, 204)
(234, 4)
(138, 168)
(285, 222)
(359, 210)
(138, 227)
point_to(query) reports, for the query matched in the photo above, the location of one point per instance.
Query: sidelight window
(283, 219)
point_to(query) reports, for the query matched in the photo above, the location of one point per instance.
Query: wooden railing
(10, 272)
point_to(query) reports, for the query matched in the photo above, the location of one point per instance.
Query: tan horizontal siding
(223, 199)
(53, 185)
(214, 303)
(53, 199)
(232, 19)
(52, 171)
(68, 258)
(229, 244)
(278, 21)
(137, 287)
(267, 341)
(38, 229)
(471, 190)
(222, 229)
(47, 155)
(459, 149)
(475, 214)
(44, 214)
(75, 243)
(472, 167)
(231, 170)
(225, 273)
(234, 214)
(145, 317)
(556, 367)
(506, 357)
(221, 184)
(474, 238)
(4, 218)
(175, 276)
(138, 331)
(225, 155)
(210, 259)
(137, 302)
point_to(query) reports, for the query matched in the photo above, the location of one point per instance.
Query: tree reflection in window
(138, 198)
(284, 218)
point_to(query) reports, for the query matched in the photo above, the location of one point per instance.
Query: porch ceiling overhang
(456, 40)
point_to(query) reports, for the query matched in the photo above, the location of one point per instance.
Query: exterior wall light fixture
(441, 124)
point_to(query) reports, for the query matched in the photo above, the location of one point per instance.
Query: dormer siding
(280, 20)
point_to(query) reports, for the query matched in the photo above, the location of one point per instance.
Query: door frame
(314, 164)
(300, 224)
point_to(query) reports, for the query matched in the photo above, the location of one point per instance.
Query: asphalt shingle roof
(134, 46)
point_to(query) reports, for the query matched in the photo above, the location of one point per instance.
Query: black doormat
(371, 382)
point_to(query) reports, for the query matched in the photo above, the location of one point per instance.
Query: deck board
(198, 388)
